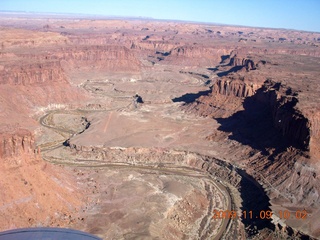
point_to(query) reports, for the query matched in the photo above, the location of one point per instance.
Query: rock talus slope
(33, 191)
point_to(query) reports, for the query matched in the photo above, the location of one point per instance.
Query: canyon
(133, 128)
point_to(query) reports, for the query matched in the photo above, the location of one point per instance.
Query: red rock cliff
(286, 116)
(112, 58)
(33, 73)
(198, 55)
(238, 87)
(15, 144)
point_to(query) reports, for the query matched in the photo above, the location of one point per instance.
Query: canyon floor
(141, 129)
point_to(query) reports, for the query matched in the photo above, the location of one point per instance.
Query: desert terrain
(145, 129)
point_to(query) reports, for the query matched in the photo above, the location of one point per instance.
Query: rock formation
(111, 58)
(286, 117)
(30, 74)
(234, 87)
(17, 144)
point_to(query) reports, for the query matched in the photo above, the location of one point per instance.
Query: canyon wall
(16, 144)
(32, 73)
(111, 58)
(278, 99)
(16, 38)
(197, 55)
(314, 121)
(155, 157)
(285, 50)
(249, 63)
(152, 46)
(278, 135)
(233, 177)
(34, 192)
(286, 117)
(234, 87)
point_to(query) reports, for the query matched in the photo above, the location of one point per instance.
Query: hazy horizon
(296, 15)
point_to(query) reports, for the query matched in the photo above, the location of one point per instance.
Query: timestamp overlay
(262, 214)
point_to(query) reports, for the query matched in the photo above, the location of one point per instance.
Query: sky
(291, 14)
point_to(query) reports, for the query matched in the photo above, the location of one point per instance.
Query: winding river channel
(218, 176)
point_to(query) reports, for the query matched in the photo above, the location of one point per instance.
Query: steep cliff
(283, 50)
(234, 86)
(12, 38)
(32, 73)
(314, 118)
(197, 55)
(286, 116)
(49, 66)
(32, 190)
(226, 97)
(229, 93)
(16, 144)
(111, 58)
(240, 59)
(270, 133)
(243, 84)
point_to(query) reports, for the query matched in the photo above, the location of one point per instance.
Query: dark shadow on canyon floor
(191, 97)
(253, 126)
(255, 210)
(213, 69)
(224, 58)
(233, 69)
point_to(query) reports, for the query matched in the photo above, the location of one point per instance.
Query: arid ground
(142, 129)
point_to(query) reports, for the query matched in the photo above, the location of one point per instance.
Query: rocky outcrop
(280, 101)
(198, 55)
(226, 97)
(52, 69)
(33, 73)
(155, 157)
(11, 38)
(15, 144)
(314, 121)
(33, 192)
(237, 87)
(275, 162)
(164, 158)
(112, 58)
(153, 46)
(286, 116)
(244, 51)
(242, 60)
(179, 53)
